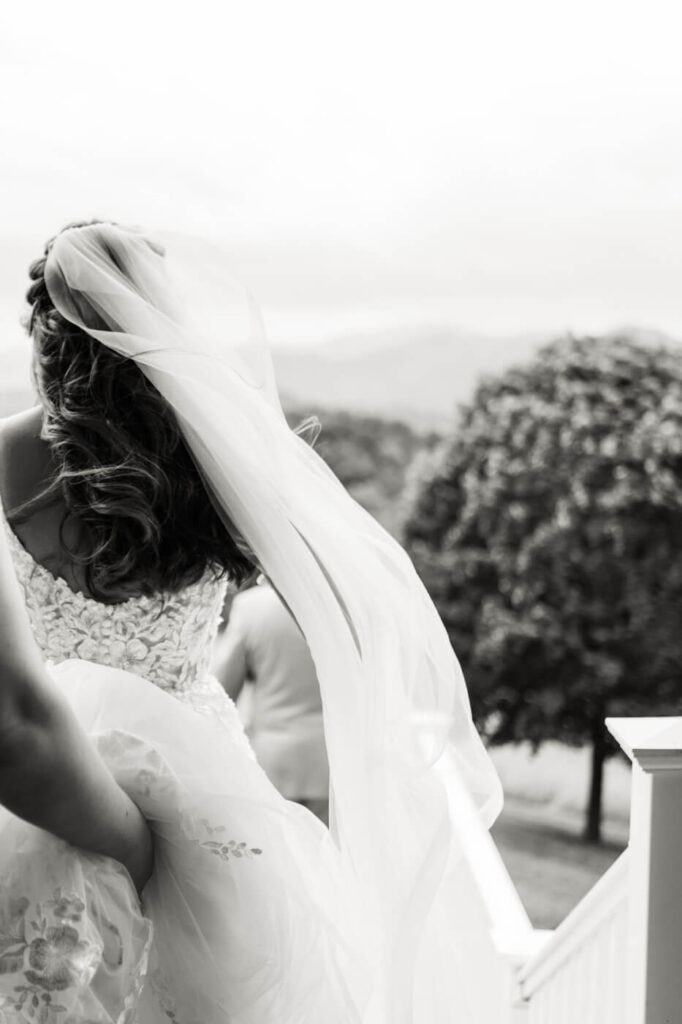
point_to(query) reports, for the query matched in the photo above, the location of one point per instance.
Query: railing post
(654, 962)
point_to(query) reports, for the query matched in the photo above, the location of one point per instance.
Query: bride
(157, 466)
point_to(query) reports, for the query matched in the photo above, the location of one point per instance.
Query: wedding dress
(74, 945)
(255, 913)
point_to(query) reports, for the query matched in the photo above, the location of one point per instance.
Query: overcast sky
(510, 166)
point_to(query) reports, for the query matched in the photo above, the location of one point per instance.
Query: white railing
(579, 974)
(500, 937)
(617, 958)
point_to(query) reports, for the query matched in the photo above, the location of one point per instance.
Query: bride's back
(26, 471)
(122, 557)
(167, 637)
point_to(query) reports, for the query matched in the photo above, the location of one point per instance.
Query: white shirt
(285, 728)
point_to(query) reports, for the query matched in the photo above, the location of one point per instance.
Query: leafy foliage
(549, 533)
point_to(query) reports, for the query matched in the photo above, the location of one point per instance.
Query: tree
(549, 534)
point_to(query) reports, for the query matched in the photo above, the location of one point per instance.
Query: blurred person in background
(263, 645)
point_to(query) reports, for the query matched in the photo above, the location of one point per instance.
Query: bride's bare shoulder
(24, 457)
(28, 421)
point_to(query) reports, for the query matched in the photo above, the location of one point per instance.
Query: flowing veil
(409, 774)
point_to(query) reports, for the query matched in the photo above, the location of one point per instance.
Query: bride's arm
(50, 774)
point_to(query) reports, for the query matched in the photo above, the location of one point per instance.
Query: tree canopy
(549, 533)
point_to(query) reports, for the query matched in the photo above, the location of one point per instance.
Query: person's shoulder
(246, 600)
(256, 603)
(22, 454)
(21, 427)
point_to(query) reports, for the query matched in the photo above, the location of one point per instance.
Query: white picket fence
(617, 958)
(579, 974)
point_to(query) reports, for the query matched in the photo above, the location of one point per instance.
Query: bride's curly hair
(124, 472)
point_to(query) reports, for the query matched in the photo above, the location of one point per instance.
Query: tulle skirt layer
(251, 915)
(239, 922)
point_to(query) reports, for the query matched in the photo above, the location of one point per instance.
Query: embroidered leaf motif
(227, 850)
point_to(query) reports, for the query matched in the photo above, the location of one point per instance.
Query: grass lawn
(547, 859)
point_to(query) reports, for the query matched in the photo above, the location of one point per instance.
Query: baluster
(654, 954)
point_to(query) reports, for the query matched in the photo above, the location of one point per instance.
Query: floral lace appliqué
(42, 955)
(167, 638)
(229, 848)
(50, 954)
(210, 837)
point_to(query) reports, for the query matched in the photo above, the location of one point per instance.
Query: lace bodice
(166, 637)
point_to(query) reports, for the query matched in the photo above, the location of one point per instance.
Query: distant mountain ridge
(418, 374)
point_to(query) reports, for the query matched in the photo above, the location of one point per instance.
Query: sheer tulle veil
(410, 776)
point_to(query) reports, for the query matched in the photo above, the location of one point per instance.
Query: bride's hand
(138, 860)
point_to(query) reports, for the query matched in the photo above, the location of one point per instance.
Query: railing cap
(654, 743)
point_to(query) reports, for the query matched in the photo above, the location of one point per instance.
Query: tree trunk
(594, 804)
